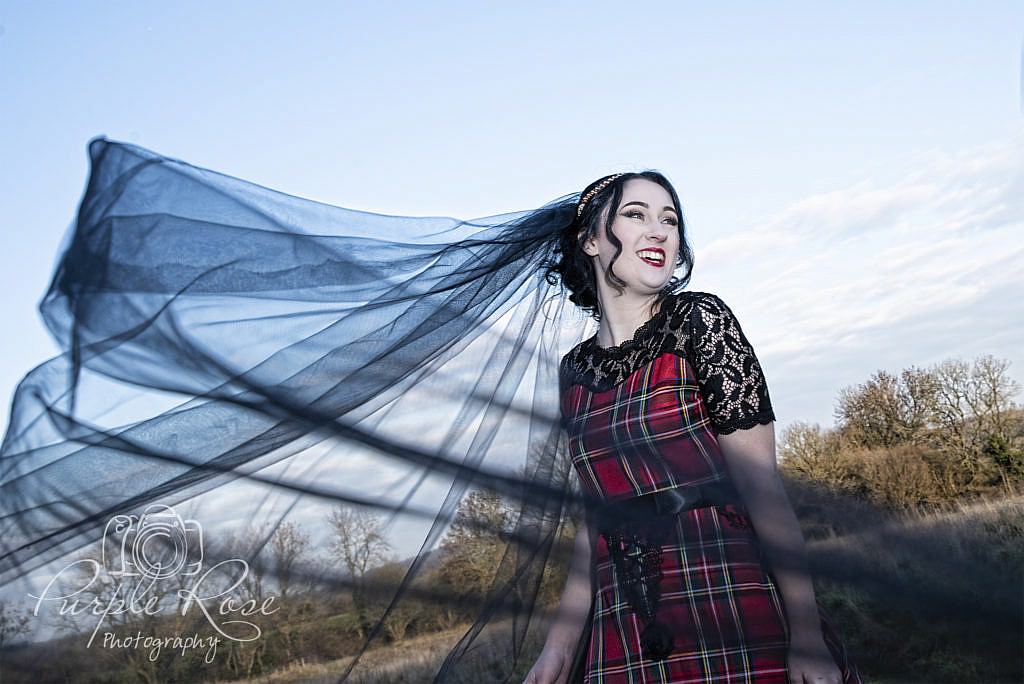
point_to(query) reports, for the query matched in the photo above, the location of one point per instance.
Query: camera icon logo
(157, 544)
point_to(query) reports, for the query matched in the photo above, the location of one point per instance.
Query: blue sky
(824, 154)
(852, 174)
(799, 129)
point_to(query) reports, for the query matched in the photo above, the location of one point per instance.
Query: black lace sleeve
(730, 377)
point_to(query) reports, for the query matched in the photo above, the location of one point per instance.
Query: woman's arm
(750, 456)
(552, 667)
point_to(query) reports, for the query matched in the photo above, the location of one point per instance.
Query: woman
(221, 339)
(670, 424)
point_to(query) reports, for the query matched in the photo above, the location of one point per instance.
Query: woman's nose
(657, 232)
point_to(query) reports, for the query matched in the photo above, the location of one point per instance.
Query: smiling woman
(217, 333)
(583, 253)
(690, 565)
(646, 226)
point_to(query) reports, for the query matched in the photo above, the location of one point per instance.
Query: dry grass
(919, 597)
(418, 660)
(412, 660)
(931, 597)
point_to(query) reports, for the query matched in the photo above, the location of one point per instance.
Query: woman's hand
(552, 667)
(556, 659)
(812, 663)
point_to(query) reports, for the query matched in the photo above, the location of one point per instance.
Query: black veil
(262, 353)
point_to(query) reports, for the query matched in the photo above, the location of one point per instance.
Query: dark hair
(576, 270)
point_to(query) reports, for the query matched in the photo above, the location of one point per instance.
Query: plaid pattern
(717, 599)
(652, 432)
(649, 433)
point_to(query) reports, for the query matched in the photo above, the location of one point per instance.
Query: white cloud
(881, 275)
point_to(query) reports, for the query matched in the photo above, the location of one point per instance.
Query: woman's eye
(671, 221)
(635, 214)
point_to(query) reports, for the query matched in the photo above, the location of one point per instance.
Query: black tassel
(656, 641)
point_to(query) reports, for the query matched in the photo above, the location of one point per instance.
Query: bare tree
(817, 454)
(888, 410)
(918, 395)
(358, 542)
(290, 548)
(953, 410)
(974, 403)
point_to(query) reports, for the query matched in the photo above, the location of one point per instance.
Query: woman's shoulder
(706, 300)
(683, 305)
(707, 312)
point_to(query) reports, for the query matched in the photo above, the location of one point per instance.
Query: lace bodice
(700, 327)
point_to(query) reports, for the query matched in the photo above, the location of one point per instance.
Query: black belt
(667, 502)
(635, 530)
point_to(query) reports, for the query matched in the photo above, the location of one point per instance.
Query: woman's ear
(589, 246)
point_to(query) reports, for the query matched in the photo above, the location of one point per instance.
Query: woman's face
(647, 225)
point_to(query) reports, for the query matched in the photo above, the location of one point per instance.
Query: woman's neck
(622, 316)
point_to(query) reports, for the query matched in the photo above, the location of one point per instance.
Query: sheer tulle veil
(259, 357)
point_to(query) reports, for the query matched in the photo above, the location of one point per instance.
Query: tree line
(923, 436)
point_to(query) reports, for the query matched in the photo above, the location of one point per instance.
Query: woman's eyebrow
(642, 204)
(667, 207)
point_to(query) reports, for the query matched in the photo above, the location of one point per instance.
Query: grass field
(920, 598)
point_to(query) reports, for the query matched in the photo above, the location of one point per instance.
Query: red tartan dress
(645, 416)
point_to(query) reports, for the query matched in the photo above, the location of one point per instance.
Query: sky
(852, 175)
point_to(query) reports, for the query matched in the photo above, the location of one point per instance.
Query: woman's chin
(651, 285)
(646, 289)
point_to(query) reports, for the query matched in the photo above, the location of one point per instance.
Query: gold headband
(598, 188)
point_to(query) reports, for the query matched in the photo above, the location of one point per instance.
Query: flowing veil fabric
(230, 344)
